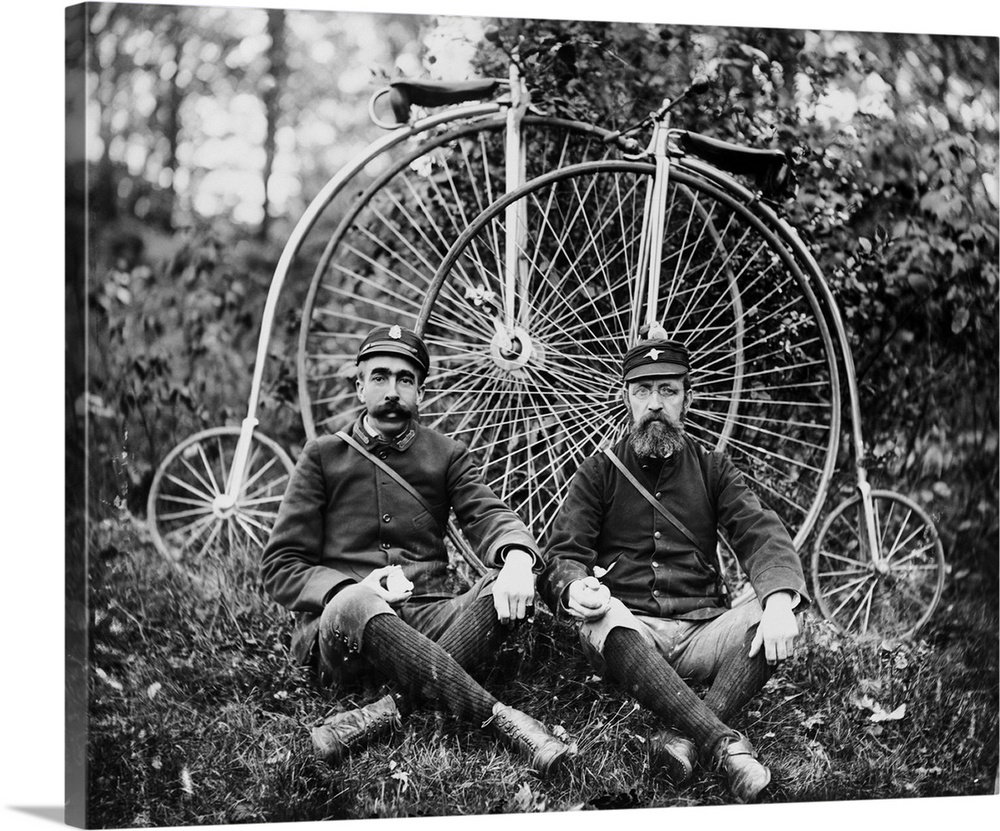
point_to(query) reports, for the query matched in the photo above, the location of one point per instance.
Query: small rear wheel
(892, 596)
(193, 524)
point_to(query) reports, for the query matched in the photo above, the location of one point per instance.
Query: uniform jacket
(657, 570)
(342, 517)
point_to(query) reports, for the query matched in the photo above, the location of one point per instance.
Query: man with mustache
(631, 555)
(358, 553)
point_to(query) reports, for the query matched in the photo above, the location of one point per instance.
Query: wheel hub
(223, 506)
(511, 350)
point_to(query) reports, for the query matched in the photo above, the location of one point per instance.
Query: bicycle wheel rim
(380, 261)
(782, 432)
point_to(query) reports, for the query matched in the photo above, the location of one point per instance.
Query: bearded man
(631, 556)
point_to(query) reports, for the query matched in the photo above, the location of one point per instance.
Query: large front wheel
(535, 393)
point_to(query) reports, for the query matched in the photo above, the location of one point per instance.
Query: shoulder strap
(460, 543)
(652, 500)
(375, 460)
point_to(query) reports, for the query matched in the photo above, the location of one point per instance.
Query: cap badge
(654, 354)
(395, 332)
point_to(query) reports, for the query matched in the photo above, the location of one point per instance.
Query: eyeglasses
(642, 392)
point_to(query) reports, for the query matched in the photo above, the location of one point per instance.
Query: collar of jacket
(399, 443)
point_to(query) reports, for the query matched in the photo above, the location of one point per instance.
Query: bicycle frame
(648, 277)
(651, 240)
(833, 313)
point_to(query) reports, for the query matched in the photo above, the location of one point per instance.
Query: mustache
(390, 407)
(650, 418)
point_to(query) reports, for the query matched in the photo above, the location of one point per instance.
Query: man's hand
(588, 599)
(777, 630)
(514, 588)
(375, 581)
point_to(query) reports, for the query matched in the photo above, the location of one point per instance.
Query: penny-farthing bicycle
(529, 251)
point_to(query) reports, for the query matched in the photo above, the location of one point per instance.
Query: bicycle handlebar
(771, 169)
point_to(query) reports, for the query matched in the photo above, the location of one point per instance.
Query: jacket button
(656, 592)
(656, 565)
(386, 517)
(656, 536)
(385, 545)
(658, 494)
(383, 455)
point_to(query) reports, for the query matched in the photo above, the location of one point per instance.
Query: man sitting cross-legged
(358, 553)
(631, 555)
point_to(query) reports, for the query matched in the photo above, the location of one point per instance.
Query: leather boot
(341, 733)
(673, 754)
(529, 736)
(745, 776)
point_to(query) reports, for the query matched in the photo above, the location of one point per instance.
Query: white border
(31, 736)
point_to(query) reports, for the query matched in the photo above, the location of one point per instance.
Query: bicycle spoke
(193, 512)
(188, 486)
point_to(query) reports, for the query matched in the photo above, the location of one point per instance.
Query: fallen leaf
(187, 784)
(107, 679)
(882, 715)
(403, 777)
(153, 689)
(522, 800)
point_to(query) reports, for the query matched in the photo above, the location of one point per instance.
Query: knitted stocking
(423, 669)
(643, 672)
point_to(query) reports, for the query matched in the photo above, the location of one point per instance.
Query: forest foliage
(895, 138)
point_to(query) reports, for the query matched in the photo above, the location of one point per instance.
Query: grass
(197, 718)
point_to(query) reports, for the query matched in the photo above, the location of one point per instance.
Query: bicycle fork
(649, 263)
(511, 345)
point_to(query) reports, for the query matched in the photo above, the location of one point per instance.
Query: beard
(655, 437)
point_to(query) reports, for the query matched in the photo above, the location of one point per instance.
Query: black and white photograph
(473, 411)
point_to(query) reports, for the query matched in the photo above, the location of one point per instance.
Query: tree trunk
(104, 187)
(173, 98)
(273, 86)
